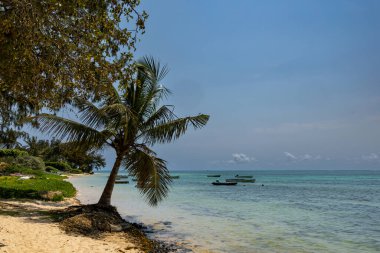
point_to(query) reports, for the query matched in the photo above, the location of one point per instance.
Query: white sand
(34, 234)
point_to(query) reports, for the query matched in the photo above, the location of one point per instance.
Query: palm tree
(130, 122)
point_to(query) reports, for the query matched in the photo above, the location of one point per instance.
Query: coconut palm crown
(130, 122)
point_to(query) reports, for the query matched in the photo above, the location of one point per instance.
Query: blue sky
(288, 84)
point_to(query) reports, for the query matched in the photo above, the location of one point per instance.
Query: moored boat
(121, 176)
(224, 183)
(213, 175)
(241, 180)
(237, 176)
(122, 182)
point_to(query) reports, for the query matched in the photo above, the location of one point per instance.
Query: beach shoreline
(27, 226)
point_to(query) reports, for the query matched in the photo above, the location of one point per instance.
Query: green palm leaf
(160, 116)
(170, 130)
(70, 130)
(153, 178)
(153, 69)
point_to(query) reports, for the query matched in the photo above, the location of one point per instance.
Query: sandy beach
(25, 228)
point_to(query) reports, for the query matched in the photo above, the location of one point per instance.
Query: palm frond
(148, 92)
(113, 95)
(170, 130)
(117, 114)
(153, 69)
(110, 115)
(90, 114)
(151, 99)
(160, 116)
(153, 179)
(70, 130)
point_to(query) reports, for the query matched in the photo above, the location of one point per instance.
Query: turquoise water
(295, 211)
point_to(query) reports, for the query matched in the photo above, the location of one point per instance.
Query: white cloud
(290, 156)
(241, 158)
(371, 157)
(305, 157)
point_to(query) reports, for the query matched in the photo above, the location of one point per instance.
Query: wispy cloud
(305, 157)
(371, 157)
(236, 158)
(290, 156)
(241, 158)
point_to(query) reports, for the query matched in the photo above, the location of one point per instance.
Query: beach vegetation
(37, 187)
(75, 157)
(61, 166)
(51, 169)
(51, 51)
(15, 157)
(32, 162)
(9, 137)
(12, 153)
(130, 120)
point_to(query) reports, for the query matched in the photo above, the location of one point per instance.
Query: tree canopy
(51, 50)
(78, 157)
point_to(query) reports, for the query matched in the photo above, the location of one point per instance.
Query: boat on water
(224, 183)
(241, 180)
(121, 176)
(122, 182)
(237, 176)
(174, 177)
(213, 175)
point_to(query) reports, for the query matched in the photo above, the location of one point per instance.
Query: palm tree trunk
(105, 199)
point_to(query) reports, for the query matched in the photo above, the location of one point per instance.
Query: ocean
(284, 211)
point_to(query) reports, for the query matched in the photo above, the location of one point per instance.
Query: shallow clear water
(295, 211)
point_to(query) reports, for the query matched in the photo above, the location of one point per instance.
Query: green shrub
(76, 171)
(57, 198)
(3, 166)
(13, 187)
(51, 169)
(32, 162)
(27, 171)
(62, 166)
(22, 170)
(12, 152)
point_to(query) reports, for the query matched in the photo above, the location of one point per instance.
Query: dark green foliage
(12, 153)
(22, 170)
(78, 157)
(32, 162)
(13, 187)
(27, 171)
(15, 157)
(9, 138)
(51, 169)
(41, 148)
(62, 166)
(52, 50)
(76, 171)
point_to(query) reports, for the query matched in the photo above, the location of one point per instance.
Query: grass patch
(13, 187)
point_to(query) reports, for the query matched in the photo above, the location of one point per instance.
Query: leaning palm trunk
(130, 123)
(105, 199)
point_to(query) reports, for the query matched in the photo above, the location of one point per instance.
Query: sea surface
(295, 211)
